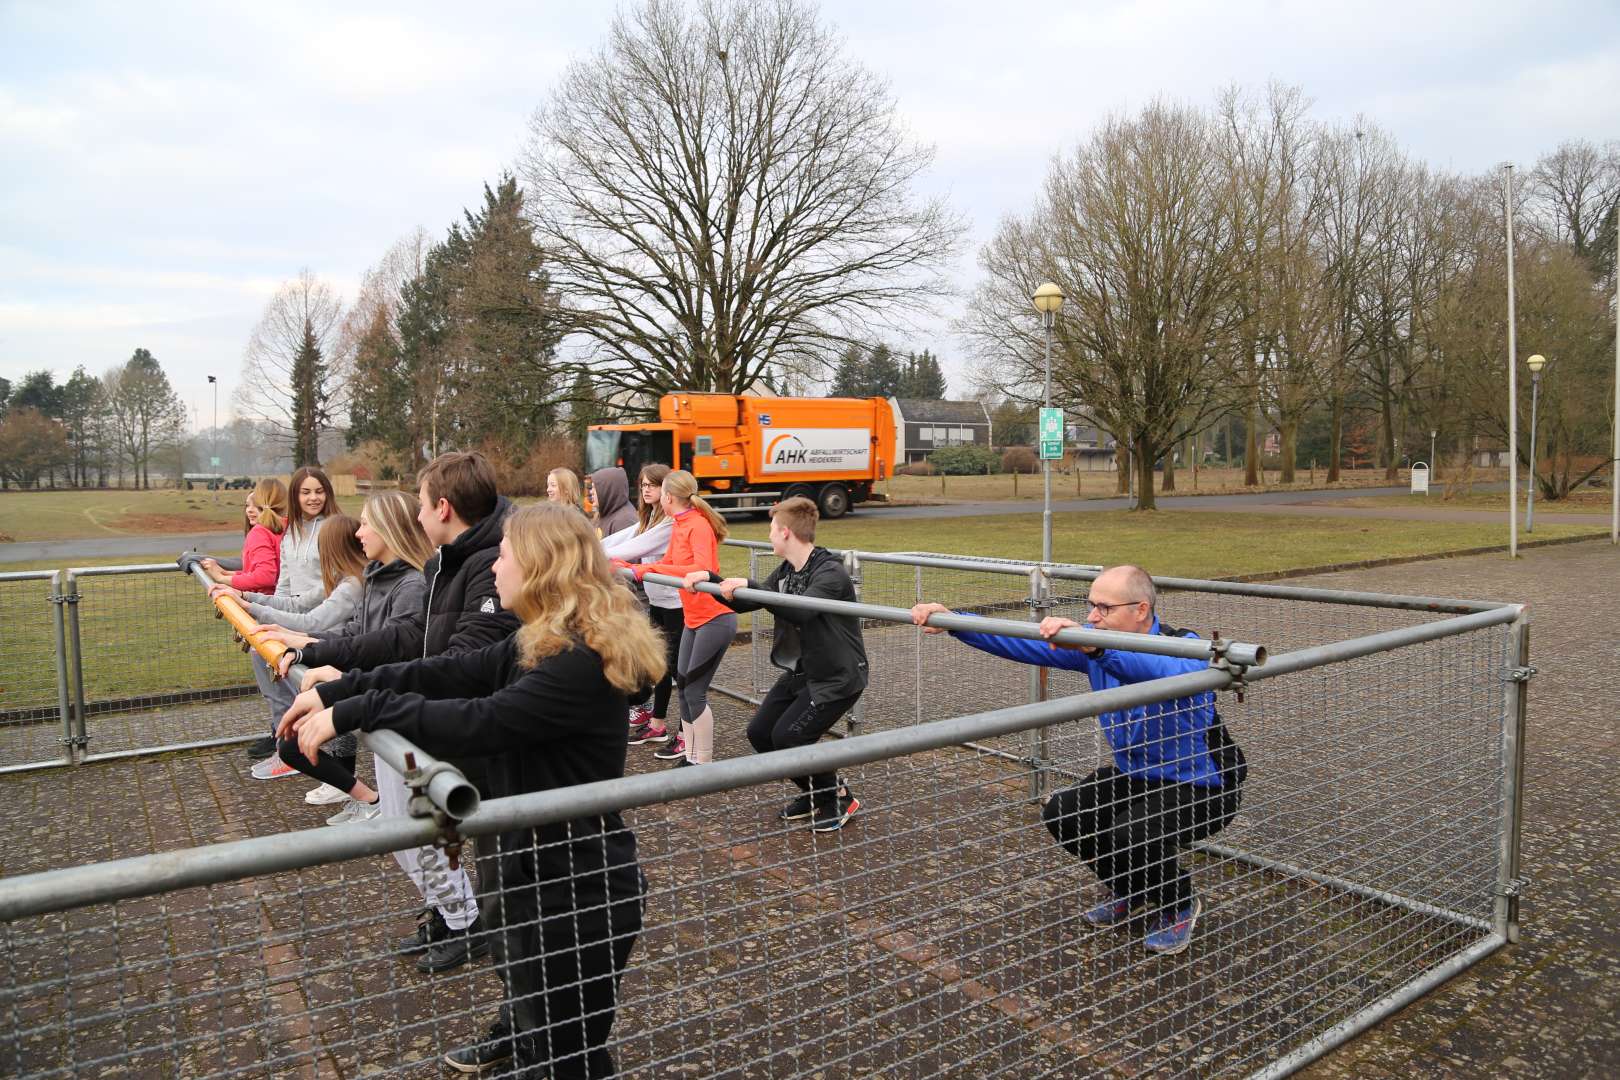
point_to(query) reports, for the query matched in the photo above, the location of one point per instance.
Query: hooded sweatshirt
(613, 509)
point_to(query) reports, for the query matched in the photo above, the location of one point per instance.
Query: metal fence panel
(939, 934)
(154, 667)
(35, 723)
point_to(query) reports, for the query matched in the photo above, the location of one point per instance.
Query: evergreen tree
(309, 413)
(5, 393)
(849, 378)
(584, 406)
(884, 375)
(81, 398)
(424, 333)
(379, 395)
(923, 377)
(505, 328)
(38, 390)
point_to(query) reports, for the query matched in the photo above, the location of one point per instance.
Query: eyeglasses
(1108, 609)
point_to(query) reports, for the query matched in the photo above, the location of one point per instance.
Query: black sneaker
(492, 1050)
(796, 809)
(430, 927)
(830, 817)
(262, 749)
(455, 949)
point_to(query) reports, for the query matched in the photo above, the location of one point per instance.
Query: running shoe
(273, 768)
(675, 748)
(797, 809)
(646, 733)
(325, 795)
(640, 715)
(832, 816)
(494, 1049)
(1110, 912)
(1172, 930)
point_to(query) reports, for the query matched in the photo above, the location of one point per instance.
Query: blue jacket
(1169, 740)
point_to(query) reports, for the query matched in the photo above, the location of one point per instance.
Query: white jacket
(647, 547)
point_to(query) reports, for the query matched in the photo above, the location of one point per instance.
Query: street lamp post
(1535, 364)
(1432, 434)
(213, 441)
(1512, 374)
(1048, 298)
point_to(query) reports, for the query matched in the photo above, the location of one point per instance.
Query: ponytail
(683, 485)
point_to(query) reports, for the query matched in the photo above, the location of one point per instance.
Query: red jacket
(261, 562)
(692, 546)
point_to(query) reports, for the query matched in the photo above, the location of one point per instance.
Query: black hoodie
(827, 648)
(461, 613)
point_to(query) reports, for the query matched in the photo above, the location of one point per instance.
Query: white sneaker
(325, 795)
(273, 768)
(355, 810)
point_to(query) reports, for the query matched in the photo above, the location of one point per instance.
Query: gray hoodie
(613, 508)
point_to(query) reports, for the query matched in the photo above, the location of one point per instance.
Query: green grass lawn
(71, 515)
(155, 633)
(1103, 485)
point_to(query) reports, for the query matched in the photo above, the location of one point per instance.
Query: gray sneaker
(355, 810)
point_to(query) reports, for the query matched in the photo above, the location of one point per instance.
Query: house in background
(926, 425)
(1088, 448)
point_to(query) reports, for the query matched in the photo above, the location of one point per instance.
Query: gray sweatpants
(701, 652)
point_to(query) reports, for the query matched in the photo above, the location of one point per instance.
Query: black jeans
(337, 771)
(787, 717)
(1128, 830)
(670, 622)
(563, 967)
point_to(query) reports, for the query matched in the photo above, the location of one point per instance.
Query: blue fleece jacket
(1162, 741)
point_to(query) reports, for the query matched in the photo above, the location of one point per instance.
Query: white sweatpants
(448, 890)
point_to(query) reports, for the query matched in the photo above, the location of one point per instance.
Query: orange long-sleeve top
(692, 546)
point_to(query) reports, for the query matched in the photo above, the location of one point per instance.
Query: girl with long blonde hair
(708, 626)
(563, 488)
(545, 705)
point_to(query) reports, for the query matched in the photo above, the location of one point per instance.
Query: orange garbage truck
(749, 452)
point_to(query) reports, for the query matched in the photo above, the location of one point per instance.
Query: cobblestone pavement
(1545, 1007)
(1549, 1006)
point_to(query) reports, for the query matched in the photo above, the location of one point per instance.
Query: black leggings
(337, 771)
(1128, 831)
(670, 622)
(787, 717)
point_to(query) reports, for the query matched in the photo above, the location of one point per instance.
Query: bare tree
(1573, 190)
(1136, 229)
(723, 193)
(266, 389)
(145, 413)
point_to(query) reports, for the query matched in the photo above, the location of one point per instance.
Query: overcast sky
(165, 166)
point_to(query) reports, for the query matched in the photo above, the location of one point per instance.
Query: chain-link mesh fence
(34, 715)
(153, 666)
(942, 932)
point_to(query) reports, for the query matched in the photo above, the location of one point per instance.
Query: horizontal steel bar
(1185, 648)
(1409, 992)
(736, 695)
(1417, 907)
(1350, 649)
(34, 766)
(1081, 572)
(133, 568)
(62, 890)
(27, 575)
(199, 744)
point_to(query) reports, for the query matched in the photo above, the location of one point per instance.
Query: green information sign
(1051, 434)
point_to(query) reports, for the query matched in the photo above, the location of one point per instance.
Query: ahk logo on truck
(818, 450)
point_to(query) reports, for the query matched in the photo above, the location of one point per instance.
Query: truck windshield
(631, 449)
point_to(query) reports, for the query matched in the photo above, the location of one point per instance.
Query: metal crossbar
(1373, 854)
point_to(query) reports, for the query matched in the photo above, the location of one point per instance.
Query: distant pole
(1048, 299)
(1614, 464)
(1513, 377)
(1535, 364)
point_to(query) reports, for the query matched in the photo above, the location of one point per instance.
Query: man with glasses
(1176, 776)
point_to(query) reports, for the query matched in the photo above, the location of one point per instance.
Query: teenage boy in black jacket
(822, 658)
(462, 514)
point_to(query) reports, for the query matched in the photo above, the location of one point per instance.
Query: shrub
(524, 472)
(916, 468)
(1020, 459)
(965, 460)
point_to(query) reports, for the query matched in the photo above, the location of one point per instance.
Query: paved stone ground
(1543, 1008)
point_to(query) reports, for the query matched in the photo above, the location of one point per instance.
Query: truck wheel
(799, 491)
(834, 501)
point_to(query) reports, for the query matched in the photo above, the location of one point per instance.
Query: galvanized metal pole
(1530, 480)
(1515, 708)
(1047, 317)
(70, 748)
(1040, 743)
(857, 716)
(1614, 463)
(1513, 377)
(70, 599)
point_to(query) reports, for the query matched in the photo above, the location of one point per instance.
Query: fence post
(80, 735)
(64, 707)
(1517, 682)
(857, 715)
(1040, 745)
